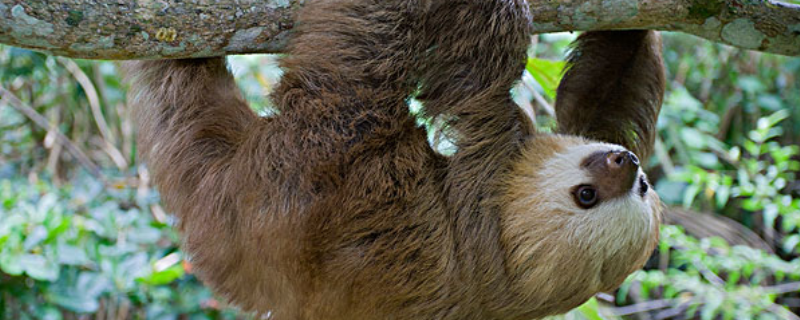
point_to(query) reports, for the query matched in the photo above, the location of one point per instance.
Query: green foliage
(711, 279)
(86, 249)
(728, 144)
(755, 178)
(761, 171)
(72, 245)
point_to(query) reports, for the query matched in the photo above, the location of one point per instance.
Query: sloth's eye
(585, 196)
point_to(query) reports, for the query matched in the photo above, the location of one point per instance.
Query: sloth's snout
(622, 160)
(622, 165)
(614, 172)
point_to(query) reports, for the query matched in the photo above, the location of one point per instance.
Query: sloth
(337, 207)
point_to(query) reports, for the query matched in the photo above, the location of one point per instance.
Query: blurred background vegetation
(82, 234)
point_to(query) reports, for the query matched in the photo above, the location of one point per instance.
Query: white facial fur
(549, 236)
(614, 222)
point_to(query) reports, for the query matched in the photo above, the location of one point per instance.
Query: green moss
(74, 17)
(134, 29)
(705, 9)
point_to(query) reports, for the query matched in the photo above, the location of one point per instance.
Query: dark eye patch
(609, 184)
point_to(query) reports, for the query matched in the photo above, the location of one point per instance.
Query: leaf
(93, 284)
(163, 277)
(770, 214)
(49, 313)
(689, 194)
(11, 223)
(38, 267)
(790, 242)
(706, 159)
(752, 148)
(9, 262)
(34, 238)
(145, 235)
(57, 226)
(722, 195)
(709, 310)
(776, 117)
(693, 138)
(670, 191)
(71, 255)
(590, 310)
(770, 102)
(751, 84)
(547, 73)
(75, 302)
(735, 153)
(752, 205)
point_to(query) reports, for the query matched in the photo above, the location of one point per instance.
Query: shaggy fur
(337, 207)
(613, 88)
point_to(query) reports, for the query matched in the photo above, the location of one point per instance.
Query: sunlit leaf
(163, 277)
(590, 310)
(547, 73)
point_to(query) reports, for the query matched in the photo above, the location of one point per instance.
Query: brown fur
(337, 207)
(613, 88)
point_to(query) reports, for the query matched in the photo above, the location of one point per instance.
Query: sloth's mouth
(643, 186)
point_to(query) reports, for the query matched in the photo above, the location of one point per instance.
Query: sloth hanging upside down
(337, 207)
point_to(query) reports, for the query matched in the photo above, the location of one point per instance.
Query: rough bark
(119, 29)
(122, 29)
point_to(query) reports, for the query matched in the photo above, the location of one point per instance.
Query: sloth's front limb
(191, 119)
(613, 88)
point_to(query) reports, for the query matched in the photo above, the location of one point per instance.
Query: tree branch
(173, 29)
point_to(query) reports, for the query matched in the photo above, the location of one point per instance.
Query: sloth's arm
(613, 88)
(476, 51)
(192, 119)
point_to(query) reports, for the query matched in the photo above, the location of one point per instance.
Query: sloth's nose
(614, 172)
(622, 159)
(624, 165)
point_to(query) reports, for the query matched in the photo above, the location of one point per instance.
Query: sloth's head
(577, 207)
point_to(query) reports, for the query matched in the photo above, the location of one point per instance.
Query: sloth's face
(578, 204)
(594, 179)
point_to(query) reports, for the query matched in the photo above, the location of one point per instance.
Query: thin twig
(643, 307)
(109, 141)
(55, 152)
(777, 309)
(91, 95)
(536, 96)
(602, 296)
(783, 288)
(41, 121)
(677, 310)
(712, 277)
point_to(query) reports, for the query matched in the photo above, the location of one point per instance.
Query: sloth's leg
(613, 88)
